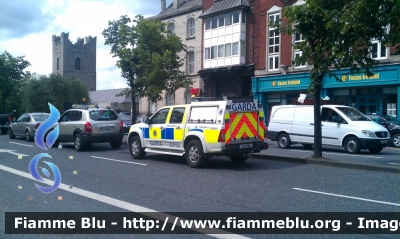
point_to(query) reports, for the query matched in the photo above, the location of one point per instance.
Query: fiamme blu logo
(45, 142)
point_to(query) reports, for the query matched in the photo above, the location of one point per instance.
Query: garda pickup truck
(199, 130)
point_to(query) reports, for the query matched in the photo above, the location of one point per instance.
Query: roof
(223, 6)
(187, 6)
(106, 96)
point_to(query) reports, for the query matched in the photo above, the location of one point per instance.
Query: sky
(27, 27)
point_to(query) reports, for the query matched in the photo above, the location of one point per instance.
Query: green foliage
(147, 56)
(338, 35)
(11, 78)
(39, 90)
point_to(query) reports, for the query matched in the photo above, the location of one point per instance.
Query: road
(103, 179)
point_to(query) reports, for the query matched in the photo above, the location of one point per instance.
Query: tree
(11, 76)
(40, 90)
(337, 36)
(147, 56)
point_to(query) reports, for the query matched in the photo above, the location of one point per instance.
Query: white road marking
(118, 160)
(397, 164)
(22, 144)
(12, 152)
(361, 155)
(115, 202)
(344, 196)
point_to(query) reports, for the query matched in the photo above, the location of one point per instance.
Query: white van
(345, 127)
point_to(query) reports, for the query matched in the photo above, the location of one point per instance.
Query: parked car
(345, 127)
(26, 125)
(4, 123)
(92, 125)
(391, 124)
(127, 120)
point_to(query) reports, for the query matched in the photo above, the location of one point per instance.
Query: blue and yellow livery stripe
(145, 132)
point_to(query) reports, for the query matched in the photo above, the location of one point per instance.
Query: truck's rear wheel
(239, 158)
(284, 141)
(194, 154)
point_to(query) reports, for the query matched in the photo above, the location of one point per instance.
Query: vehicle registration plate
(384, 141)
(245, 146)
(106, 129)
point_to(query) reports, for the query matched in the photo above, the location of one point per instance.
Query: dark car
(127, 120)
(391, 124)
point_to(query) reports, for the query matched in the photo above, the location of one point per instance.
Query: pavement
(277, 156)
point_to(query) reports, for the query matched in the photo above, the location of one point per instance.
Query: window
(171, 27)
(208, 23)
(236, 15)
(190, 63)
(177, 115)
(228, 49)
(221, 50)
(228, 18)
(378, 51)
(213, 52)
(160, 117)
(235, 48)
(243, 17)
(191, 27)
(242, 48)
(188, 97)
(152, 106)
(77, 64)
(170, 98)
(214, 22)
(58, 63)
(273, 42)
(207, 53)
(297, 39)
(221, 20)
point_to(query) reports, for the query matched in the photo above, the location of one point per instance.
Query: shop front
(378, 94)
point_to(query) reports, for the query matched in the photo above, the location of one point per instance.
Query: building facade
(75, 59)
(277, 81)
(227, 48)
(181, 17)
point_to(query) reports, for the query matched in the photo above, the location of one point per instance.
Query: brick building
(277, 81)
(182, 17)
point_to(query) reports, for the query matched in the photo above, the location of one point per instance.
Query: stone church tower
(77, 59)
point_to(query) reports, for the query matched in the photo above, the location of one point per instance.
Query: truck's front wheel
(135, 147)
(194, 154)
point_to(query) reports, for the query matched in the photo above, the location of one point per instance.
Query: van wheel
(194, 154)
(396, 140)
(135, 147)
(352, 145)
(307, 146)
(284, 141)
(239, 158)
(375, 150)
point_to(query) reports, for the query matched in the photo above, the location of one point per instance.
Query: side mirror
(146, 120)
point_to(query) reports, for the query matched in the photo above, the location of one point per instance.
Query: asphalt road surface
(103, 179)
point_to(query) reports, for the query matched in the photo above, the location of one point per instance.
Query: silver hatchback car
(26, 125)
(93, 125)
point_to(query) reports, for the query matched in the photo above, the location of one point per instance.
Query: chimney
(163, 5)
(178, 3)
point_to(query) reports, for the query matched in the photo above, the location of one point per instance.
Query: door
(330, 129)
(157, 124)
(368, 104)
(64, 119)
(303, 124)
(174, 132)
(17, 127)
